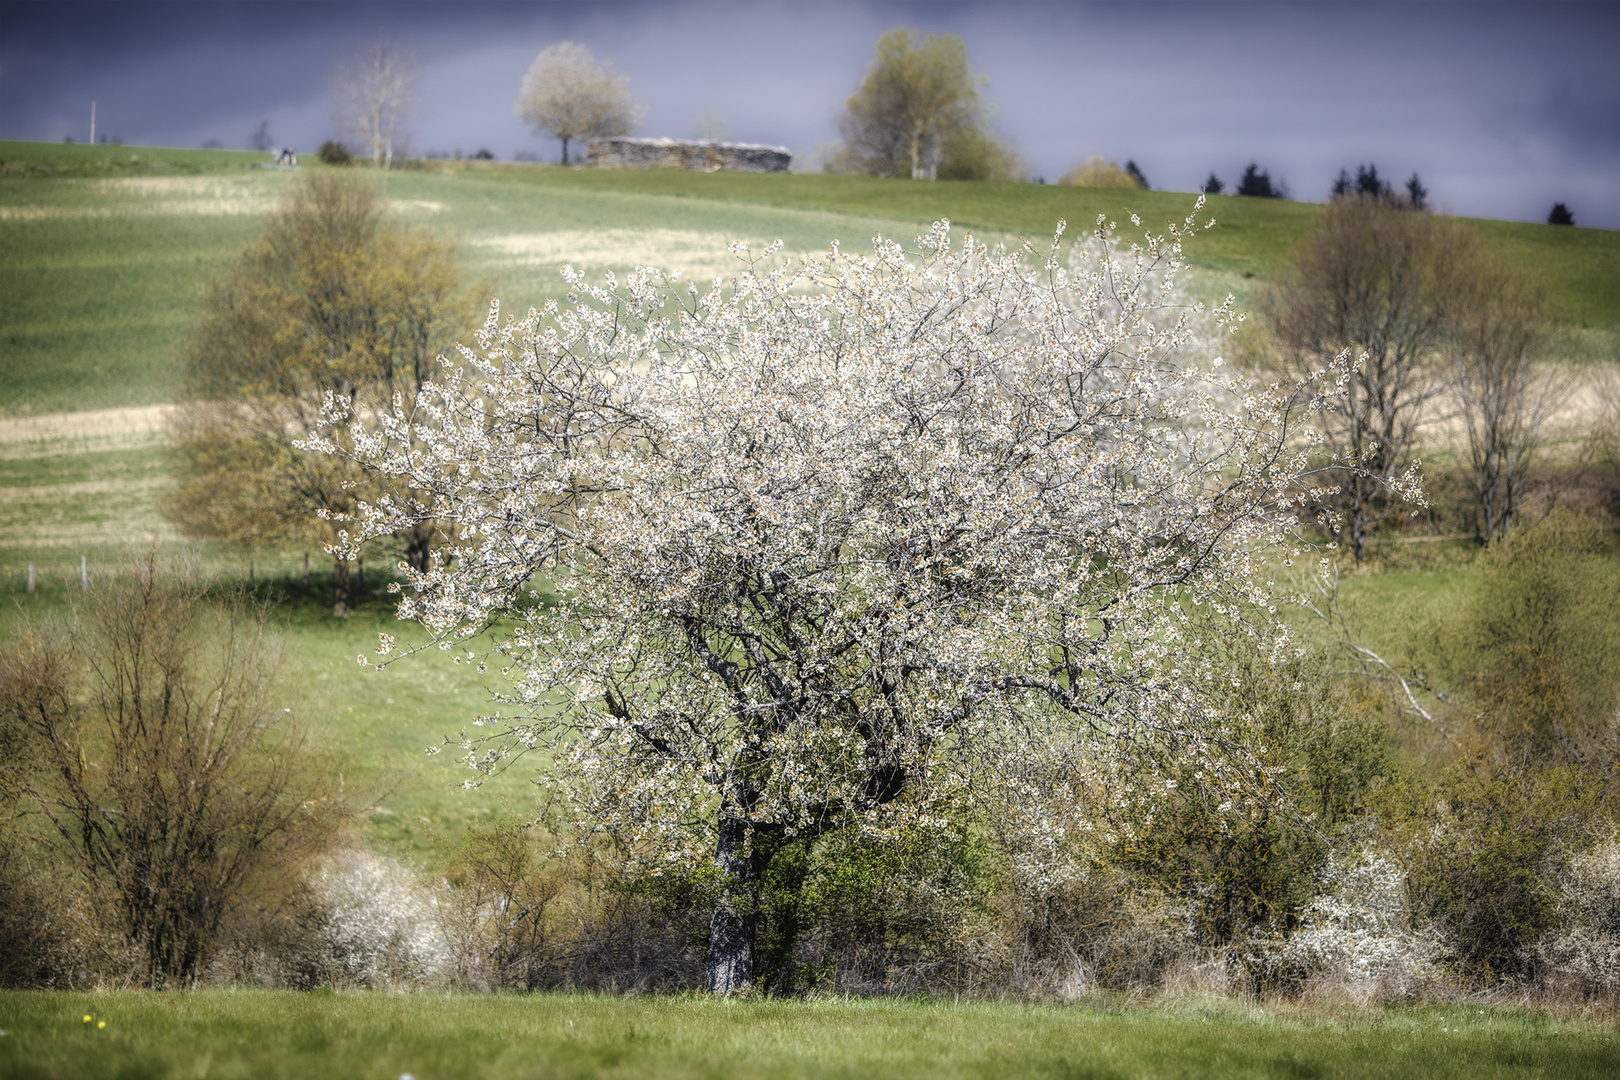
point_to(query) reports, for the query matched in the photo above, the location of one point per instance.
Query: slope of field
(1250, 237)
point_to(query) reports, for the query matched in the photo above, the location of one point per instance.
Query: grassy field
(104, 250)
(224, 1034)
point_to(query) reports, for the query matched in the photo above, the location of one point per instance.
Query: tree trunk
(730, 967)
(342, 605)
(418, 550)
(565, 149)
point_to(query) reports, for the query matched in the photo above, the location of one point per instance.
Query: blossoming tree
(833, 543)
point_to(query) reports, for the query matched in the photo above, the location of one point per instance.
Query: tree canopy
(837, 545)
(918, 113)
(332, 298)
(567, 92)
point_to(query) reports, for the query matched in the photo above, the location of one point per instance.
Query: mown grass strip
(226, 1034)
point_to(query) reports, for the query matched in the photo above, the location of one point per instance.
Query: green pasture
(104, 250)
(222, 1034)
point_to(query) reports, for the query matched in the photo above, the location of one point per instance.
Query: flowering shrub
(1583, 953)
(1359, 932)
(377, 925)
(833, 543)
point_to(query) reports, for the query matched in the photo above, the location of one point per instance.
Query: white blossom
(841, 540)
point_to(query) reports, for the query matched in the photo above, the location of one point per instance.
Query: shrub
(333, 152)
(1582, 955)
(1484, 848)
(1356, 938)
(377, 925)
(1099, 172)
(168, 776)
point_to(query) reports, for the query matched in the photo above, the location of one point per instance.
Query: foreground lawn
(222, 1034)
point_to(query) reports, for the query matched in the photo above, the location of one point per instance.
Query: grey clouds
(1502, 108)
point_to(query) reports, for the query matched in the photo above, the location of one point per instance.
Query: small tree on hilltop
(1560, 215)
(372, 90)
(1256, 183)
(1136, 174)
(1213, 185)
(570, 94)
(916, 98)
(839, 544)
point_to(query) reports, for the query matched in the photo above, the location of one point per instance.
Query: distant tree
(975, 153)
(1368, 182)
(1256, 183)
(1098, 171)
(1382, 284)
(1417, 196)
(711, 127)
(570, 94)
(1213, 185)
(916, 98)
(1136, 174)
(1344, 185)
(372, 89)
(259, 137)
(333, 152)
(484, 155)
(1498, 318)
(332, 299)
(1560, 215)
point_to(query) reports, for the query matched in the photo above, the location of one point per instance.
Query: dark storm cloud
(1503, 108)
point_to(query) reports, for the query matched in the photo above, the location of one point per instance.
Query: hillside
(104, 250)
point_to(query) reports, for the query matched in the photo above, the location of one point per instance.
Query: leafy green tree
(917, 97)
(331, 299)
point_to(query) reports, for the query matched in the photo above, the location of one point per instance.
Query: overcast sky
(1502, 108)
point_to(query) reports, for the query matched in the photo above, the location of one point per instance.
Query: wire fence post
(84, 575)
(32, 571)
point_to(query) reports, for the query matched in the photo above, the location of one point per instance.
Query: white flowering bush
(377, 925)
(1583, 954)
(1358, 935)
(835, 542)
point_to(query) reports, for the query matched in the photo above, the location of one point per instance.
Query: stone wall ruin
(620, 152)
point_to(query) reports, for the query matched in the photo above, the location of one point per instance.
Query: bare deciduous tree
(1498, 317)
(570, 94)
(372, 90)
(167, 766)
(1379, 283)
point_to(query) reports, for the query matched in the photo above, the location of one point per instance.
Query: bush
(1100, 172)
(1532, 642)
(1484, 848)
(1582, 955)
(333, 152)
(162, 768)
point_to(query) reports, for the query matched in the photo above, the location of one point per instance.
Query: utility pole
(92, 122)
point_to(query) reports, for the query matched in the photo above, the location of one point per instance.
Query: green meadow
(247, 1033)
